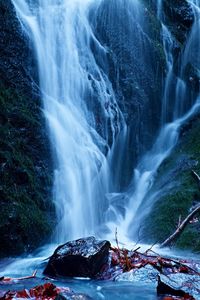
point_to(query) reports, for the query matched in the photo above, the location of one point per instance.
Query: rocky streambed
(93, 269)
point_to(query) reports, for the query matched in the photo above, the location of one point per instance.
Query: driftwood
(180, 228)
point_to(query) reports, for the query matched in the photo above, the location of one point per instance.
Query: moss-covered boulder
(26, 210)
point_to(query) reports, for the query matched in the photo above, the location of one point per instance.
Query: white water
(159, 8)
(69, 74)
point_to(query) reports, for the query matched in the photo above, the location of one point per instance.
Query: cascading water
(87, 128)
(69, 76)
(176, 110)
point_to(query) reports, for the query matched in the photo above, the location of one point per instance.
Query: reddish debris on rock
(123, 260)
(48, 291)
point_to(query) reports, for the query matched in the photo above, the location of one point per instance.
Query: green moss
(153, 28)
(190, 236)
(179, 191)
(26, 211)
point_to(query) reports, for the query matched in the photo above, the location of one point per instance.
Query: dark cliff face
(179, 18)
(26, 209)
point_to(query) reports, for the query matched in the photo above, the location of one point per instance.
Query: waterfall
(73, 86)
(87, 128)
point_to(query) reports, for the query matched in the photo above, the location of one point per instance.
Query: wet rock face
(192, 77)
(179, 17)
(135, 66)
(79, 258)
(26, 210)
(17, 63)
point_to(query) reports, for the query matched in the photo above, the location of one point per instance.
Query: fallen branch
(148, 250)
(180, 228)
(9, 279)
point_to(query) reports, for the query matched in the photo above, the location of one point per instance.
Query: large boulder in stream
(80, 258)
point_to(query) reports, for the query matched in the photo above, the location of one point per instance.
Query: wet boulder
(80, 258)
(170, 287)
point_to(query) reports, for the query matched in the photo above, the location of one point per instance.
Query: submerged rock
(147, 275)
(72, 296)
(178, 285)
(80, 258)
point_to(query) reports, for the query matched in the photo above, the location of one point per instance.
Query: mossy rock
(27, 215)
(180, 192)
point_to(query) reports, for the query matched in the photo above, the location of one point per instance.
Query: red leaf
(23, 294)
(183, 269)
(48, 291)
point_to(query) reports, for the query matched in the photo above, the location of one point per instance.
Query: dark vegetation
(26, 209)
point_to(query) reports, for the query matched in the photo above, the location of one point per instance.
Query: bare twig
(196, 176)
(139, 238)
(150, 249)
(180, 228)
(179, 221)
(116, 239)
